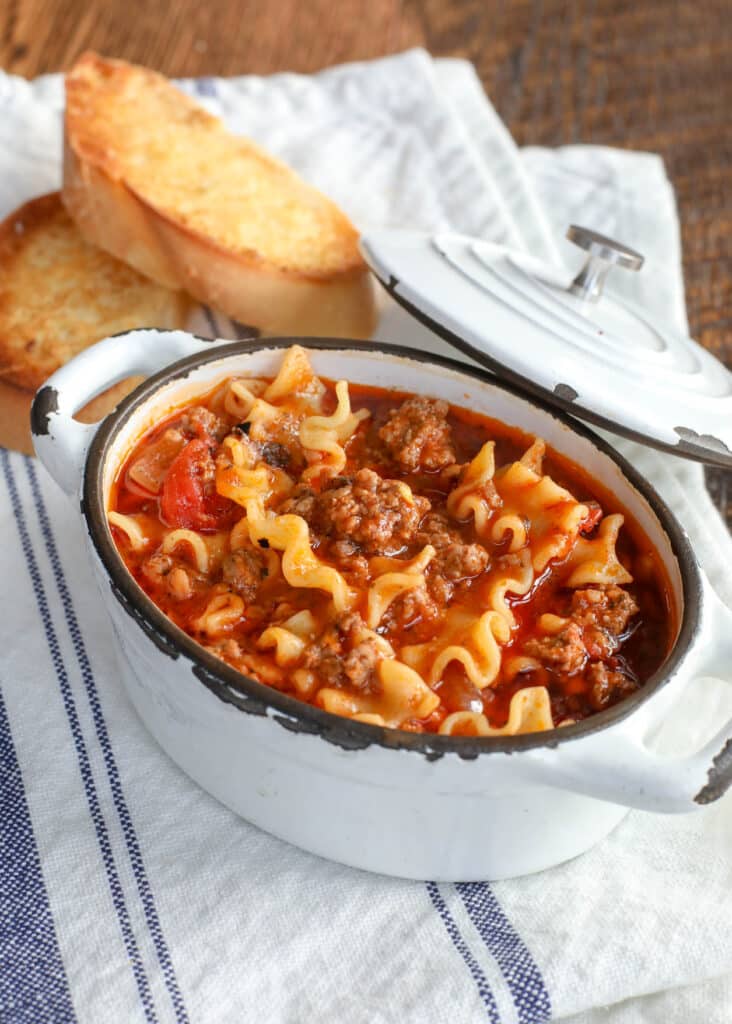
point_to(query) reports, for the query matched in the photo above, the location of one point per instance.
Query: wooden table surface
(653, 75)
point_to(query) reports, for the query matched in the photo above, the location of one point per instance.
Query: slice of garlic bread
(157, 181)
(59, 294)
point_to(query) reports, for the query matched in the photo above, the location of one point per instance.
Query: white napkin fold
(126, 893)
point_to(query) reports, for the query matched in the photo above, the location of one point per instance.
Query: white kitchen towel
(126, 893)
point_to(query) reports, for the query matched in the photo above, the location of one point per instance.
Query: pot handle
(60, 441)
(619, 767)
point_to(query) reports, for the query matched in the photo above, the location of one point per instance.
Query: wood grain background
(653, 75)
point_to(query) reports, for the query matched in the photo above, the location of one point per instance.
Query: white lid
(595, 355)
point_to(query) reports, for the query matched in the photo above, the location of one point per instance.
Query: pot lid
(595, 355)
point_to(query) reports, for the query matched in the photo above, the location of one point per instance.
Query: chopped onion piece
(149, 471)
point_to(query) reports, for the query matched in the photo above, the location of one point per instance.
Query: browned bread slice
(159, 182)
(59, 294)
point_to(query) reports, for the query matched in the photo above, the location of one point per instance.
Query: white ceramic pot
(416, 806)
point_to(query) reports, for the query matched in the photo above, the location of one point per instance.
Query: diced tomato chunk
(189, 499)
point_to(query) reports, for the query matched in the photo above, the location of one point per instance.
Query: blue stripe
(472, 964)
(133, 847)
(33, 984)
(205, 86)
(518, 967)
(213, 326)
(243, 332)
(87, 778)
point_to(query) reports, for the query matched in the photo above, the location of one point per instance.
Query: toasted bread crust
(121, 202)
(59, 295)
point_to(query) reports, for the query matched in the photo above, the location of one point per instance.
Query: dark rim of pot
(253, 697)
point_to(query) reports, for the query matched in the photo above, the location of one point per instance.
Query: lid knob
(604, 253)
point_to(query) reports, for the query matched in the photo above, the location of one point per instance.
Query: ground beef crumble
(415, 610)
(277, 442)
(599, 642)
(563, 652)
(603, 614)
(454, 559)
(454, 562)
(203, 423)
(607, 686)
(345, 655)
(610, 608)
(366, 510)
(157, 567)
(178, 579)
(301, 502)
(276, 455)
(244, 571)
(347, 558)
(597, 619)
(417, 435)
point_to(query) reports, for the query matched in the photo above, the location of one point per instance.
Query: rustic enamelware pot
(416, 806)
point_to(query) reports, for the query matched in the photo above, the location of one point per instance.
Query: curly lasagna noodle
(390, 558)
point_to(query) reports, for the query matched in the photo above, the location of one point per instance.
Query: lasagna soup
(390, 558)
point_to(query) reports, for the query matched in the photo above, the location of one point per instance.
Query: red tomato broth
(642, 652)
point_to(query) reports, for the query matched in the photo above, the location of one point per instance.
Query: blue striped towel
(127, 894)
